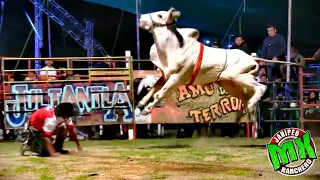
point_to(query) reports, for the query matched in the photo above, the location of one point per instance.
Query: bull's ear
(194, 34)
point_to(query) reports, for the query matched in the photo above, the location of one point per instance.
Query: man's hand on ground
(56, 154)
(79, 148)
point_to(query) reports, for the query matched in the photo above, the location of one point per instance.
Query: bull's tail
(281, 62)
(255, 70)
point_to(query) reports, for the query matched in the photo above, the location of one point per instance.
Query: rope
(232, 22)
(118, 30)
(240, 25)
(240, 18)
(27, 41)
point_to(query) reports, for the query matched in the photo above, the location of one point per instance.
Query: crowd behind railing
(281, 100)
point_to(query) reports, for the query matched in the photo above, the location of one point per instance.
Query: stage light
(207, 41)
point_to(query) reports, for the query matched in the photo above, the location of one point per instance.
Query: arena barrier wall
(105, 96)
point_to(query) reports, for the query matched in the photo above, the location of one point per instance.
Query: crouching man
(49, 121)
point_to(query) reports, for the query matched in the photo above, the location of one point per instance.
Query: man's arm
(73, 133)
(282, 46)
(264, 48)
(49, 146)
(245, 48)
(317, 55)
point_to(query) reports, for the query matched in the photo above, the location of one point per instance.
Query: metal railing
(92, 75)
(293, 107)
(303, 89)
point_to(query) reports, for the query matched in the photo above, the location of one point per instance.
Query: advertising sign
(198, 104)
(109, 103)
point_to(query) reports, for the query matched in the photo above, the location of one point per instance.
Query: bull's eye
(160, 16)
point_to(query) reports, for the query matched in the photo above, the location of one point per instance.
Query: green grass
(7, 148)
(46, 177)
(37, 160)
(21, 169)
(240, 172)
(158, 175)
(82, 177)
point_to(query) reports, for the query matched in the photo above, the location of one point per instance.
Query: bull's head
(159, 19)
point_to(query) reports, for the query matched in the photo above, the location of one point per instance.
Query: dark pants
(273, 71)
(318, 77)
(265, 115)
(36, 142)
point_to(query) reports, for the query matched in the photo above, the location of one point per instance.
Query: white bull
(154, 82)
(184, 60)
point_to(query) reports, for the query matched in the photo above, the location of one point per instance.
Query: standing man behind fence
(274, 47)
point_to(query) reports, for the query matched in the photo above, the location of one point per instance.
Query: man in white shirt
(49, 67)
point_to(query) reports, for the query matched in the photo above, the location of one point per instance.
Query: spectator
(312, 112)
(51, 74)
(317, 55)
(262, 74)
(312, 99)
(31, 77)
(262, 71)
(216, 44)
(296, 58)
(77, 77)
(62, 74)
(274, 47)
(267, 95)
(240, 44)
(265, 105)
(65, 75)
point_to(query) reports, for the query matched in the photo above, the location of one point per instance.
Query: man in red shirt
(49, 121)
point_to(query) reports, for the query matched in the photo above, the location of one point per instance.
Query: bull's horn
(174, 13)
(171, 10)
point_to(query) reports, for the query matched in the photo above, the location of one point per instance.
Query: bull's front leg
(152, 91)
(169, 87)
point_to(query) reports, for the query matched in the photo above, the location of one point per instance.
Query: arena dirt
(196, 160)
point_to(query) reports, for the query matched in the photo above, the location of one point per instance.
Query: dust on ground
(203, 158)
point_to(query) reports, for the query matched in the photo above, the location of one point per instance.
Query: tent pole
(289, 39)
(288, 57)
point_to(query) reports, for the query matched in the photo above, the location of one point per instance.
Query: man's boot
(58, 144)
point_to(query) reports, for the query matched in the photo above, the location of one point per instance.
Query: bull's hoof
(144, 112)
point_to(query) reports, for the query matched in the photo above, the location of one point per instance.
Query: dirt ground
(204, 158)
